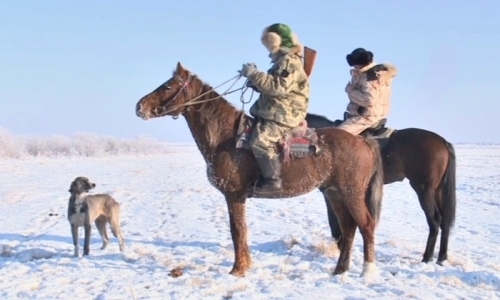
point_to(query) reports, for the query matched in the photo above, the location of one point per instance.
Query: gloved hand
(349, 87)
(248, 69)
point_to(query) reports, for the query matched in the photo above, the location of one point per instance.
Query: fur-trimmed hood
(390, 70)
(384, 70)
(273, 43)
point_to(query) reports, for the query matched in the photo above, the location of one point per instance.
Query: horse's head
(169, 99)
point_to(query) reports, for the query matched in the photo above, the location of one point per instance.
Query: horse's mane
(216, 115)
(319, 117)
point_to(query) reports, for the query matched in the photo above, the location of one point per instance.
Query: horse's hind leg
(347, 228)
(354, 215)
(445, 232)
(447, 203)
(367, 229)
(443, 247)
(427, 199)
(333, 222)
(237, 221)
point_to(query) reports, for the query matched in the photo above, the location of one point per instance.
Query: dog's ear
(72, 187)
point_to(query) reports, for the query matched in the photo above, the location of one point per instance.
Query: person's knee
(262, 150)
(258, 145)
(349, 122)
(265, 135)
(349, 128)
(257, 139)
(263, 144)
(373, 123)
(353, 125)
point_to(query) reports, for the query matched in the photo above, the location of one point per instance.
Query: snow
(173, 218)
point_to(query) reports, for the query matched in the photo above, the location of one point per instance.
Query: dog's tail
(115, 222)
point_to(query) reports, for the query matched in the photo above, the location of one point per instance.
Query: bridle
(164, 110)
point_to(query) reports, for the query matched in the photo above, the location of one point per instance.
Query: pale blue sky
(69, 66)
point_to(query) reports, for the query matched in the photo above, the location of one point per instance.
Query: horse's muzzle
(158, 111)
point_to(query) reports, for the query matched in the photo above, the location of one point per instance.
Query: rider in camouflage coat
(283, 102)
(369, 91)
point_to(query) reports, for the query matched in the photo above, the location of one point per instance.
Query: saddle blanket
(301, 141)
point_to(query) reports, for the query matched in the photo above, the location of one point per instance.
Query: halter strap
(184, 86)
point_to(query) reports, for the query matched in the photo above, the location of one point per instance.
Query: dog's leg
(114, 222)
(120, 239)
(74, 233)
(100, 223)
(86, 244)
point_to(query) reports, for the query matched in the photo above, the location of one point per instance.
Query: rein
(195, 100)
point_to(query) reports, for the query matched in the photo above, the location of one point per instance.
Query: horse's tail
(374, 193)
(448, 189)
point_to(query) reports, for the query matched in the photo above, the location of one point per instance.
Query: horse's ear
(183, 73)
(179, 67)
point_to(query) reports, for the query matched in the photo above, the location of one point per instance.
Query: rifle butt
(309, 60)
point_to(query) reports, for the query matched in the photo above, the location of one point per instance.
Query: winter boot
(271, 185)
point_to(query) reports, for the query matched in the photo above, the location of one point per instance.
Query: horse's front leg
(237, 220)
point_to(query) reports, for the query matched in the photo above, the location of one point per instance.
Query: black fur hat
(359, 56)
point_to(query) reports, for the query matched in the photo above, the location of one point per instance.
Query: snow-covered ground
(172, 217)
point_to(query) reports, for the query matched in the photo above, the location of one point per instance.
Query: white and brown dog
(84, 209)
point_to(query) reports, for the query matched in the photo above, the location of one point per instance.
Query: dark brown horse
(428, 161)
(348, 170)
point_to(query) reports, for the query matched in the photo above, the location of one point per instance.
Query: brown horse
(348, 170)
(428, 161)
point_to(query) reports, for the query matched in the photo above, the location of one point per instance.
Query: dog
(84, 209)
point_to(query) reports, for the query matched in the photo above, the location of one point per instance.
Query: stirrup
(260, 191)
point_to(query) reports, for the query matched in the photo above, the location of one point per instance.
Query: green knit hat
(279, 36)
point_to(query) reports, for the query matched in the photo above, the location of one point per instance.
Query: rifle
(309, 60)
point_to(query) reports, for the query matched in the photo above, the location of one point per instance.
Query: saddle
(299, 142)
(377, 130)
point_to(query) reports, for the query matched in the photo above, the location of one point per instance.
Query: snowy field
(172, 218)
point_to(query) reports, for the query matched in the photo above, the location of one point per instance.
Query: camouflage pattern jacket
(370, 95)
(284, 90)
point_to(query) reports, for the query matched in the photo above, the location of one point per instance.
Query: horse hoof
(369, 269)
(440, 261)
(427, 260)
(339, 270)
(237, 272)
